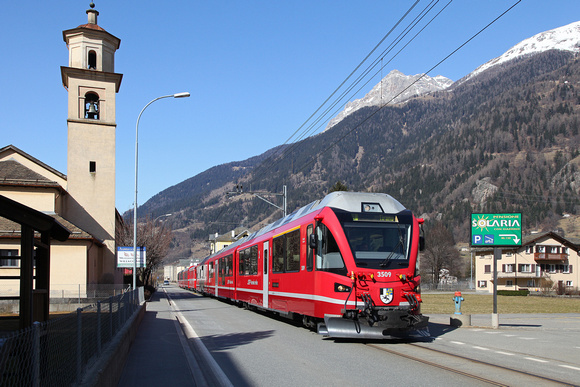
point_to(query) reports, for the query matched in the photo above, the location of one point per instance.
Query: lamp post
(155, 221)
(178, 95)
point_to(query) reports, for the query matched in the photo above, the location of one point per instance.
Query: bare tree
(440, 253)
(154, 236)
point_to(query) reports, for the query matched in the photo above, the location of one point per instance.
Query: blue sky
(256, 70)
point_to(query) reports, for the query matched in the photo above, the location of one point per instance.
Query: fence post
(111, 315)
(79, 343)
(119, 325)
(36, 354)
(99, 339)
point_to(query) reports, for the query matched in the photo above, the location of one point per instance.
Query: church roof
(14, 173)
(10, 149)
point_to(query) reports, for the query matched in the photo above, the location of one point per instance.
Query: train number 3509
(383, 274)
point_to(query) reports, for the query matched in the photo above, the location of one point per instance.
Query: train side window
(253, 261)
(278, 254)
(242, 261)
(211, 270)
(248, 264)
(222, 271)
(229, 265)
(293, 251)
(328, 256)
(265, 261)
(309, 251)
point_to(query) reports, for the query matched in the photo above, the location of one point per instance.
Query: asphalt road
(255, 349)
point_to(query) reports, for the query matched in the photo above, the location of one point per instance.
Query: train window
(253, 261)
(229, 265)
(286, 252)
(211, 270)
(222, 271)
(278, 254)
(265, 261)
(293, 251)
(249, 261)
(328, 256)
(309, 252)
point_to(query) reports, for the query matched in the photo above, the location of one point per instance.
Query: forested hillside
(506, 140)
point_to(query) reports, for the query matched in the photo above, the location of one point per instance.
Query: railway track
(485, 373)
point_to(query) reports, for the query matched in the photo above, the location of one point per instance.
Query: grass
(483, 304)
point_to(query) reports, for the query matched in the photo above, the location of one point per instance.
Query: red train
(348, 263)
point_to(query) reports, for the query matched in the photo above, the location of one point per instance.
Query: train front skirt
(339, 327)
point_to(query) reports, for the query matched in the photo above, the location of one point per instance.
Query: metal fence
(59, 351)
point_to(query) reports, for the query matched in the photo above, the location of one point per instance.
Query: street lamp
(155, 220)
(178, 95)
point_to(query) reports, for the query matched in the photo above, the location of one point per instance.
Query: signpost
(497, 231)
(125, 257)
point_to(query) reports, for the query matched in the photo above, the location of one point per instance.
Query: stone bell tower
(92, 84)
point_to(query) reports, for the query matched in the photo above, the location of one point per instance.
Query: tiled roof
(11, 148)
(92, 27)
(14, 173)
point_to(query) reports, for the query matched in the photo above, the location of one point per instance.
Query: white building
(540, 260)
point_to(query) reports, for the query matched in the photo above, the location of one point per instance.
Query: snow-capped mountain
(396, 87)
(392, 88)
(566, 38)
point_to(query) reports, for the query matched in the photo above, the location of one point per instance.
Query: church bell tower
(92, 84)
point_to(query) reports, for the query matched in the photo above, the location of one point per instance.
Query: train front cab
(367, 274)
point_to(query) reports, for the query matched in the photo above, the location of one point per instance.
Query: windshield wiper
(388, 259)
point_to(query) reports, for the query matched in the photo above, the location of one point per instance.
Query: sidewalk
(156, 357)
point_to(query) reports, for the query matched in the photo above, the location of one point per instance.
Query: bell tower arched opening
(91, 106)
(92, 60)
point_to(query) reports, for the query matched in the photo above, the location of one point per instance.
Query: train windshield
(383, 243)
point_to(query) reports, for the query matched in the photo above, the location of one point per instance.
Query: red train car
(187, 278)
(348, 263)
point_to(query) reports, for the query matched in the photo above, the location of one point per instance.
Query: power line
(319, 121)
(340, 86)
(314, 158)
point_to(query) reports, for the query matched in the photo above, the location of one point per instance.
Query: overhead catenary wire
(286, 150)
(357, 126)
(265, 162)
(317, 124)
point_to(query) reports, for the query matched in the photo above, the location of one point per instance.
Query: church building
(83, 200)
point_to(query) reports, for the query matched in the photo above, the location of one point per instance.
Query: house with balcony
(542, 261)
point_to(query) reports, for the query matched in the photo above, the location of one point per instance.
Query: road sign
(496, 230)
(125, 257)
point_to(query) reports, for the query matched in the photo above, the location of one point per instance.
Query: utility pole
(240, 190)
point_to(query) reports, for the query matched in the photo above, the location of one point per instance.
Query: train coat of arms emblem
(386, 295)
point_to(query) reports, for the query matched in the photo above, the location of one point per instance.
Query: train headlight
(340, 288)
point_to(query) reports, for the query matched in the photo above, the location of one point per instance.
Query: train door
(265, 270)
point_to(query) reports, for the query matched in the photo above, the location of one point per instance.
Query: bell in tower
(92, 106)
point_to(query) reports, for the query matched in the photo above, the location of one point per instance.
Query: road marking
(571, 367)
(481, 348)
(458, 342)
(527, 338)
(504, 353)
(510, 335)
(191, 334)
(534, 359)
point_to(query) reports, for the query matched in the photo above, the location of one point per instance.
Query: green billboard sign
(496, 230)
